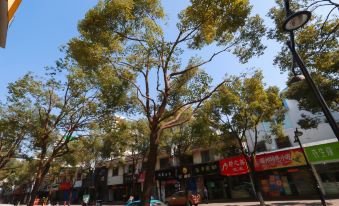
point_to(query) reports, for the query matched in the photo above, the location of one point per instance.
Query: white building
(322, 134)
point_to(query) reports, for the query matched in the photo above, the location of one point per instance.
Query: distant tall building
(7, 11)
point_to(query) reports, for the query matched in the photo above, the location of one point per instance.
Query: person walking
(206, 194)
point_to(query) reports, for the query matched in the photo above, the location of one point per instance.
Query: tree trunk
(133, 174)
(254, 179)
(150, 169)
(41, 174)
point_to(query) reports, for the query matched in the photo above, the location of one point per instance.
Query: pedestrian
(130, 199)
(205, 194)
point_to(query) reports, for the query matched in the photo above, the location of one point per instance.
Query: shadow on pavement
(296, 203)
(285, 204)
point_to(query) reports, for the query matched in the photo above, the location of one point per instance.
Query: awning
(7, 11)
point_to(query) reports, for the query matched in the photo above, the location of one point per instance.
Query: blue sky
(41, 27)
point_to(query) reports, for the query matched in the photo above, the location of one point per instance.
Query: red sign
(233, 166)
(65, 186)
(142, 177)
(281, 159)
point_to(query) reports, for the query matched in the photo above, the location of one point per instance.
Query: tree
(317, 43)
(13, 131)
(58, 111)
(180, 140)
(17, 173)
(127, 38)
(238, 108)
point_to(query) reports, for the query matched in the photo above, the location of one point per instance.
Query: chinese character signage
(281, 159)
(205, 169)
(166, 174)
(233, 166)
(323, 152)
(184, 172)
(129, 178)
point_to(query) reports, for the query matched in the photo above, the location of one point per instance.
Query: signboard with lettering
(233, 166)
(205, 169)
(129, 178)
(65, 186)
(166, 174)
(184, 172)
(323, 152)
(280, 159)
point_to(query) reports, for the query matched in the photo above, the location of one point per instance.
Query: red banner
(233, 166)
(281, 159)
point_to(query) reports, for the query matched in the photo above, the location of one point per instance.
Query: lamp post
(297, 134)
(293, 21)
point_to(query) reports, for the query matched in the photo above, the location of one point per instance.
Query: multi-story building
(280, 169)
(294, 178)
(125, 177)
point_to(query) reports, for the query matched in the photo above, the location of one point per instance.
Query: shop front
(101, 189)
(116, 188)
(132, 185)
(64, 192)
(168, 182)
(187, 182)
(77, 192)
(325, 161)
(237, 183)
(283, 174)
(207, 175)
(117, 193)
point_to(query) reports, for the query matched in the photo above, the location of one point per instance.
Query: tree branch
(203, 63)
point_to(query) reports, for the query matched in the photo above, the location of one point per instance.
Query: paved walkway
(332, 202)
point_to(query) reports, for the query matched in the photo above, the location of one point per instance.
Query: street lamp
(298, 134)
(293, 21)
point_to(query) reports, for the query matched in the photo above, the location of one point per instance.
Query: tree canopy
(127, 40)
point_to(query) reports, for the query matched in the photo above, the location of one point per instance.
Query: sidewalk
(331, 202)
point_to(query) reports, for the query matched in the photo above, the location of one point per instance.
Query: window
(261, 146)
(287, 122)
(130, 169)
(164, 162)
(283, 142)
(143, 166)
(115, 171)
(205, 156)
(186, 160)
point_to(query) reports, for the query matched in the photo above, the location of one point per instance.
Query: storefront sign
(141, 178)
(281, 159)
(323, 152)
(65, 186)
(166, 174)
(184, 172)
(129, 178)
(233, 166)
(205, 169)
